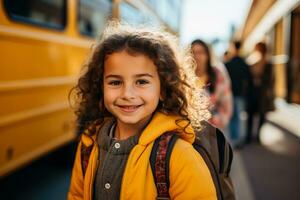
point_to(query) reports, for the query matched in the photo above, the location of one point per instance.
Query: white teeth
(129, 107)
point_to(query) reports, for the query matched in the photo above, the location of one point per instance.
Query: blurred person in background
(261, 98)
(240, 76)
(226, 57)
(216, 83)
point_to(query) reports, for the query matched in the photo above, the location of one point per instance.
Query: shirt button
(117, 145)
(107, 186)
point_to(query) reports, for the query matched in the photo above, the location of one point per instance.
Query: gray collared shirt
(113, 155)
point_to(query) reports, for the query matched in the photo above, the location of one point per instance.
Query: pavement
(270, 169)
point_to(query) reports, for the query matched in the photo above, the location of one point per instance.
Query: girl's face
(200, 57)
(131, 87)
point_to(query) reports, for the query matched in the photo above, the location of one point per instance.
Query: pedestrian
(261, 99)
(240, 76)
(216, 84)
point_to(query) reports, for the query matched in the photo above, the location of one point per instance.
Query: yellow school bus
(43, 44)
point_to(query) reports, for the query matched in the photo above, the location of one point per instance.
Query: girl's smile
(129, 108)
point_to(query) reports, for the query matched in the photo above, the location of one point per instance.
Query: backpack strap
(85, 156)
(160, 161)
(211, 144)
(85, 151)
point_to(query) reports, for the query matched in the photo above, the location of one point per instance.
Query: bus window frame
(27, 21)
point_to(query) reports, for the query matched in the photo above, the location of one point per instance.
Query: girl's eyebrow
(112, 76)
(146, 74)
(136, 75)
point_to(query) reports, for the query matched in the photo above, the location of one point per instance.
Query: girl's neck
(124, 131)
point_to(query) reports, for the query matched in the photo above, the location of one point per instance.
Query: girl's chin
(129, 120)
(133, 120)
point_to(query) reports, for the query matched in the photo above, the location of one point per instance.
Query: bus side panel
(38, 69)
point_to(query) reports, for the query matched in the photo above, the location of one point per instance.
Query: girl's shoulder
(182, 144)
(187, 167)
(184, 151)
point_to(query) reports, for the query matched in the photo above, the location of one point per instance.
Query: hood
(159, 124)
(162, 123)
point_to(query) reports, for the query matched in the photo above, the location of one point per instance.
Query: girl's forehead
(125, 63)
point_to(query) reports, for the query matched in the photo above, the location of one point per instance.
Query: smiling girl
(132, 92)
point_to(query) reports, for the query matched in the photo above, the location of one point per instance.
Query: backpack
(211, 145)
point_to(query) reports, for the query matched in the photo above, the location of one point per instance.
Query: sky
(211, 19)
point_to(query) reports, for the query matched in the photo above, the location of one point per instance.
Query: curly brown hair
(158, 46)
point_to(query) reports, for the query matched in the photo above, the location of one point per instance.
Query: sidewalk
(269, 170)
(286, 116)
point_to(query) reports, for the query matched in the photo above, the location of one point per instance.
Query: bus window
(135, 16)
(93, 15)
(130, 14)
(169, 11)
(46, 13)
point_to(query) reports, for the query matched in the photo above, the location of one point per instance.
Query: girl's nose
(128, 92)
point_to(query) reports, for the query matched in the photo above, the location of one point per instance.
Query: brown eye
(114, 83)
(142, 82)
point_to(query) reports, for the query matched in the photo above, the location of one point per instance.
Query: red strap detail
(85, 156)
(160, 167)
(86, 150)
